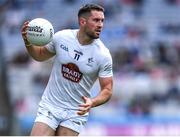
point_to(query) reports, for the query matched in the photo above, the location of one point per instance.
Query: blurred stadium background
(144, 39)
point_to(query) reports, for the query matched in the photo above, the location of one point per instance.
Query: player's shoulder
(101, 48)
(65, 33)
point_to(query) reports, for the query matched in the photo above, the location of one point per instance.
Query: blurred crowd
(143, 37)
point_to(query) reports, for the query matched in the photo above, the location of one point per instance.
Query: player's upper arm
(45, 53)
(106, 74)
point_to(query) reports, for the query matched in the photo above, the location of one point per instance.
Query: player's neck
(84, 39)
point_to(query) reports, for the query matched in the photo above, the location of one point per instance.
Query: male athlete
(80, 59)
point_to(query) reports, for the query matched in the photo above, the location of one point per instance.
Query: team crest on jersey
(71, 72)
(90, 61)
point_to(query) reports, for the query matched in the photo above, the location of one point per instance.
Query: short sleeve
(106, 67)
(51, 47)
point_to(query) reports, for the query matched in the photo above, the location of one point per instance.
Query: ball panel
(40, 32)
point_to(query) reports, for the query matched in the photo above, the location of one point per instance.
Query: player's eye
(99, 20)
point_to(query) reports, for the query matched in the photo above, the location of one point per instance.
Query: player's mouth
(98, 31)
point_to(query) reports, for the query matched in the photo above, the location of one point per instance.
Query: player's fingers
(24, 35)
(24, 28)
(25, 25)
(84, 98)
(80, 113)
(82, 109)
(84, 105)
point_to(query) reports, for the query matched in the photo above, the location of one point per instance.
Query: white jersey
(75, 69)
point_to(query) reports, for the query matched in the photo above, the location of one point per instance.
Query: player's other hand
(24, 32)
(84, 108)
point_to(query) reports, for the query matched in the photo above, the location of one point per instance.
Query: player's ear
(82, 21)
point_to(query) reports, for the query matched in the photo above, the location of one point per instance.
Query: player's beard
(92, 35)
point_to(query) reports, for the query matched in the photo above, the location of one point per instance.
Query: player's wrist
(27, 43)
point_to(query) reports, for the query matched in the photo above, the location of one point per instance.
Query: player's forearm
(37, 53)
(34, 52)
(102, 98)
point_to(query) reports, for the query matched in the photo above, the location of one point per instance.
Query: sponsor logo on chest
(71, 72)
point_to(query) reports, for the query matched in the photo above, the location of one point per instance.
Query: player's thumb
(84, 98)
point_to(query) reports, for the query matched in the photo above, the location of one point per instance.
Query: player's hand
(84, 108)
(24, 32)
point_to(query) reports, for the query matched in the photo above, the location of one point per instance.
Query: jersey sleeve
(51, 47)
(106, 67)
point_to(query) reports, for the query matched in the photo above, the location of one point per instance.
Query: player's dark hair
(86, 9)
